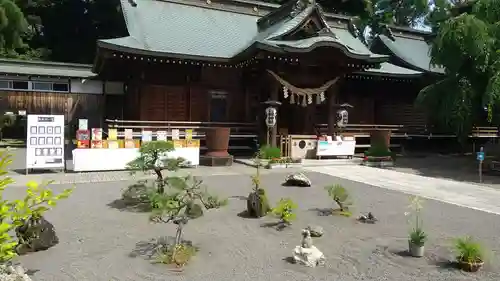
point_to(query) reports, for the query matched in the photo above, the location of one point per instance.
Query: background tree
(13, 27)
(467, 46)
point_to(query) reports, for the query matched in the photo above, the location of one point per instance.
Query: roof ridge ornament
(132, 3)
(300, 5)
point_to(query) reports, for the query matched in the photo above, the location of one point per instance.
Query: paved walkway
(453, 192)
(92, 177)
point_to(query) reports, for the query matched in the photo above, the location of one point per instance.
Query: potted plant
(416, 242)
(470, 254)
(417, 236)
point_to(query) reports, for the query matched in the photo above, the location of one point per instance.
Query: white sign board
(45, 142)
(335, 148)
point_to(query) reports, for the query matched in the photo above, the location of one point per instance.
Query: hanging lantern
(318, 99)
(292, 99)
(322, 96)
(309, 99)
(342, 118)
(304, 104)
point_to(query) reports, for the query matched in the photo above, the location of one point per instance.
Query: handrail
(179, 122)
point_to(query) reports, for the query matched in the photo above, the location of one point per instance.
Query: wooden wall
(189, 101)
(72, 106)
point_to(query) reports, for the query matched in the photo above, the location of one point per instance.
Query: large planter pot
(380, 136)
(470, 267)
(217, 141)
(416, 250)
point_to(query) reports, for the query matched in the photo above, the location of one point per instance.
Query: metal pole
(481, 167)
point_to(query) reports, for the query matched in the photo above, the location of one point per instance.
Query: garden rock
(297, 179)
(257, 204)
(36, 235)
(315, 230)
(13, 273)
(307, 254)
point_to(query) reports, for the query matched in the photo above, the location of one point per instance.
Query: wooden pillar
(332, 111)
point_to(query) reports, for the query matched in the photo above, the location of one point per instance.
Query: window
(42, 86)
(5, 84)
(34, 86)
(60, 87)
(20, 85)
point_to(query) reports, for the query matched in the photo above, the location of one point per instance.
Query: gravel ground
(100, 243)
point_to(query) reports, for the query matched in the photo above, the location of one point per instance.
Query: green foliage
(377, 14)
(213, 201)
(181, 197)
(152, 158)
(417, 236)
(341, 196)
(37, 201)
(468, 250)
(466, 46)
(13, 26)
(179, 254)
(269, 152)
(284, 210)
(379, 149)
(150, 154)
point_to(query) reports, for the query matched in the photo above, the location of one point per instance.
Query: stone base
(212, 161)
(310, 257)
(378, 164)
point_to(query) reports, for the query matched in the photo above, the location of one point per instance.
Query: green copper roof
(388, 69)
(415, 53)
(177, 29)
(43, 68)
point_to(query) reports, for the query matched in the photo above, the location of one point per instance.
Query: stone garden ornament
(306, 253)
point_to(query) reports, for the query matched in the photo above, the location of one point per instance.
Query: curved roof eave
(282, 47)
(405, 59)
(152, 53)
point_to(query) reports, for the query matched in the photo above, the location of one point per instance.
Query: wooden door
(163, 103)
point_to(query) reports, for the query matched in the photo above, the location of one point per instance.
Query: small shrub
(269, 152)
(285, 211)
(152, 158)
(179, 254)
(379, 149)
(340, 195)
(468, 250)
(257, 203)
(37, 201)
(213, 202)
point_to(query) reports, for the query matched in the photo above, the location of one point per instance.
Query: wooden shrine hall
(196, 64)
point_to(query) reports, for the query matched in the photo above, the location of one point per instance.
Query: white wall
(85, 86)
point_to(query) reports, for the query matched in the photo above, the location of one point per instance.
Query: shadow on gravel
(130, 206)
(133, 199)
(289, 260)
(149, 249)
(239, 197)
(244, 214)
(279, 226)
(445, 264)
(323, 212)
(404, 254)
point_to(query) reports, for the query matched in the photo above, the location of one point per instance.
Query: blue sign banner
(480, 156)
